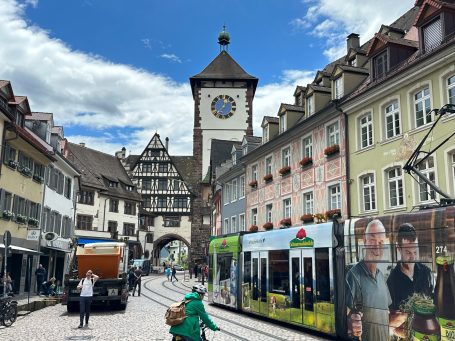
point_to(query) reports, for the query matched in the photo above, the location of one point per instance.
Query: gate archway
(162, 242)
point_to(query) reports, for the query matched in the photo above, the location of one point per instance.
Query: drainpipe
(104, 214)
(348, 173)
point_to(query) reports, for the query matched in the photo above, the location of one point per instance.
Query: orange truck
(105, 260)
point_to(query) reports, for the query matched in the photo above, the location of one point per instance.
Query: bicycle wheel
(10, 315)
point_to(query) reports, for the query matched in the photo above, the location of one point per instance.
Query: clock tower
(223, 109)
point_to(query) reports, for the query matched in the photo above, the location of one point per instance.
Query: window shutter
(61, 181)
(432, 35)
(15, 204)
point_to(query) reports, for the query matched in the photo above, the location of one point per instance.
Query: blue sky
(114, 72)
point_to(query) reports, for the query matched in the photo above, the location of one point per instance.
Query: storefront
(55, 257)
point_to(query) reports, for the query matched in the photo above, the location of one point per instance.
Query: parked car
(178, 267)
(145, 264)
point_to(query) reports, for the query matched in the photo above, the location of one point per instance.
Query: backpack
(175, 314)
(83, 279)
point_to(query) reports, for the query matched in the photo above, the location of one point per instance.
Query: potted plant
(331, 214)
(253, 183)
(320, 218)
(38, 178)
(268, 226)
(7, 215)
(306, 161)
(33, 221)
(307, 218)
(253, 228)
(12, 164)
(332, 150)
(22, 219)
(26, 171)
(268, 177)
(286, 222)
(285, 170)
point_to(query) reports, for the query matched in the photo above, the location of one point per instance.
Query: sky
(114, 72)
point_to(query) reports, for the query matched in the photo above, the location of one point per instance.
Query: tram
(394, 274)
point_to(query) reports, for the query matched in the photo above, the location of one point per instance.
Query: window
(380, 65)
(163, 167)
(38, 170)
(307, 147)
(242, 222)
(171, 221)
(422, 106)
(287, 208)
(60, 182)
(86, 197)
(68, 187)
(427, 169)
(265, 134)
(451, 90)
(149, 238)
(154, 153)
(282, 123)
(178, 185)
(244, 149)
(146, 201)
(146, 184)
(366, 131)
(10, 154)
(333, 134)
(25, 161)
(368, 193)
(112, 226)
(162, 184)
(339, 91)
(308, 203)
(234, 224)
(35, 210)
(146, 168)
(113, 184)
(452, 166)
(113, 205)
(268, 212)
(7, 201)
(128, 229)
(310, 105)
(254, 216)
(254, 172)
(395, 187)
(242, 187)
(130, 208)
(334, 197)
(279, 272)
(268, 165)
(226, 193)
(84, 222)
(234, 158)
(234, 190)
(392, 120)
(180, 202)
(286, 157)
(66, 227)
(226, 225)
(161, 202)
(322, 274)
(432, 35)
(129, 188)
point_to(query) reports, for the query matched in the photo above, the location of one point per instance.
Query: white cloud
(333, 21)
(171, 57)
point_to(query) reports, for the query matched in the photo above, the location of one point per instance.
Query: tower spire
(223, 39)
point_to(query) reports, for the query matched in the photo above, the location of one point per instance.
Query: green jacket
(193, 311)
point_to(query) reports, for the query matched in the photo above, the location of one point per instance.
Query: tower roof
(223, 67)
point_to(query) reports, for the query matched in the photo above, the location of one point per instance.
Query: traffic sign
(7, 238)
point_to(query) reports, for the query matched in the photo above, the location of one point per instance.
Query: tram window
(224, 266)
(279, 271)
(247, 267)
(255, 279)
(295, 271)
(322, 275)
(263, 280)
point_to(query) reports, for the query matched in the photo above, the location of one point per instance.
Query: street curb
(27, 308)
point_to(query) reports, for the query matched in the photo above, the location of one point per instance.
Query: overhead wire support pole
(413, 162)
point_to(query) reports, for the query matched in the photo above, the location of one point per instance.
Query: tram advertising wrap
(400, 282)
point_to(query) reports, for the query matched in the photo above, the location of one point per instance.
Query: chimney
(123, 153)
(82, 144)
(167, 144)
(353, 41)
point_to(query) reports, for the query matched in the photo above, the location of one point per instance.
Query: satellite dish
(50, 236)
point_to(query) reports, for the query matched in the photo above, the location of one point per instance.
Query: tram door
(259, 272)
(296, 285)
(308, 271)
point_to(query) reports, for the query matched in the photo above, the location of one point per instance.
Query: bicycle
(8, 311)
(202, 337)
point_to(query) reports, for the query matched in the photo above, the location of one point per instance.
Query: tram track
(241, 325)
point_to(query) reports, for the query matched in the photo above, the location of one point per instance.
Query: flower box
(22, 219)
(7, 215)
(25, 171)
(268, 177)
(38, 178)
(307, 218)
(331, 214)
(286, 222)
(320, 218)
(332, 150)
(33, 222)
(306, 161)
(253, 183)
(268, 226)
(285, 170)
(12, 164)
(253, 228)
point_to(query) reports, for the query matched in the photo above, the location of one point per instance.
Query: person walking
(86, 286)
(168, 273)
(195, 270)
(41, 276)
(137, 281)
(8, 284)
(174, 272)
(131, 278)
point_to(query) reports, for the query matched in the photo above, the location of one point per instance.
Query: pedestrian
(8, 284)
(131, 278)
(168, 273)
(137, 280)
(85, 300)
(195, 270)
(174, 272)
(41, 276)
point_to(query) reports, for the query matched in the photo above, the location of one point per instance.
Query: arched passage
(162, 242)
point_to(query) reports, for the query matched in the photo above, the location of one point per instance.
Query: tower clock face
(223, 106)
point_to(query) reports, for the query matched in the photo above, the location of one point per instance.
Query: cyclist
(189, 329)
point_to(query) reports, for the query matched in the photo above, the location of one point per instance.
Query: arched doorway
(161, 242)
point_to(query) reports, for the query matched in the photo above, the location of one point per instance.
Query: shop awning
(83, 241)
(18, 249)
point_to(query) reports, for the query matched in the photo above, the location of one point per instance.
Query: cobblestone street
(142, 320)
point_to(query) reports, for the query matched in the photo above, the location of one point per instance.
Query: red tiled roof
(388, 39)
(40, 116)
(433, 3)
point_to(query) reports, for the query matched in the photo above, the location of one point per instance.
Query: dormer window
(283, 123)
(339, 91)
(244, 149)
(265, 134)
(129, 188)
(353, 62)
(380, 65)
(20, 118)
(234, 159)
(113, 184)
(310, 105)
(432, 35)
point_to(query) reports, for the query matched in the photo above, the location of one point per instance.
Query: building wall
(232, 208)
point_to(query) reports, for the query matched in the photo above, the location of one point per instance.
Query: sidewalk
(26, 305)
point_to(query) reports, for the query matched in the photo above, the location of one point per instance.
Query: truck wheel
(72, 307)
